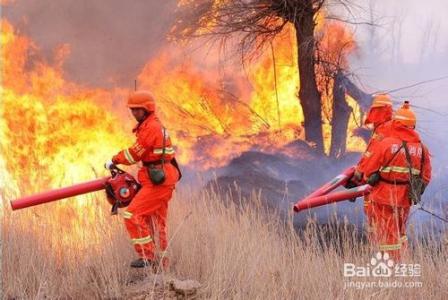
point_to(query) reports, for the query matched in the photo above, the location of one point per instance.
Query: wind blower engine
(120, 187)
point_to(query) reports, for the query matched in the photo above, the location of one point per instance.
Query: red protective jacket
(148, 148)
(395, 169)
(380, 118)
(381, 131)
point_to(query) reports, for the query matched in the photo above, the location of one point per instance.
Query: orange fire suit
(389, 197)
(147, 213)
(380, 118)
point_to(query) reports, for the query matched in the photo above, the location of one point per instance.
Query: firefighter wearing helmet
(399, 169)
(157, 175)
(379, 117)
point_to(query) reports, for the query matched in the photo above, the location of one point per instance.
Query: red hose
(334, 183)
(308, 203)
(66, 192)
(337, 181)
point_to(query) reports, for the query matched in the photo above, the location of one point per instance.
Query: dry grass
(236, 252)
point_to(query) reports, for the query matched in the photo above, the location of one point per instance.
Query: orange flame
(224, 115)
(335, 44)
(62, 129)
(53, 132)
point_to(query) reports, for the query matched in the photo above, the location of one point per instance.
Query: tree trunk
(364, 100)
(340, 118)
(309, 95)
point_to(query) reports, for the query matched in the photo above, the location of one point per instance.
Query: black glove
(374, 179)
(354, 181)
(350, 184)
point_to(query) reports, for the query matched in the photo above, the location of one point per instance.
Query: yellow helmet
(405, 115)
(380, 100)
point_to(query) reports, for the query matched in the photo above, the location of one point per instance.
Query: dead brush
(234, 247)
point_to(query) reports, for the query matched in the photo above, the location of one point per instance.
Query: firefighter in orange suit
(379, 116)
(394, 164)
(148, 210)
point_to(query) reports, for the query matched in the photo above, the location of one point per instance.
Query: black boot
(141, 263)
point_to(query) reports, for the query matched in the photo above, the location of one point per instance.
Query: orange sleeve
(375, 161)
(134, 154)
(364, 158)
(427, 168)
(130, 155)
(376, 138)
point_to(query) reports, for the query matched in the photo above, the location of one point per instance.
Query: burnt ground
(281, 180)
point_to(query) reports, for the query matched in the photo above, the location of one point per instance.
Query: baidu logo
(382, 272)
(381, 265)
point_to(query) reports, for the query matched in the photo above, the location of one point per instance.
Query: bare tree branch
(253, 24)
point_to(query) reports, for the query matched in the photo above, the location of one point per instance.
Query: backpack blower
(120, 187)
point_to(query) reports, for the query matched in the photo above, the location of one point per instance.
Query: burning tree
(257, 23)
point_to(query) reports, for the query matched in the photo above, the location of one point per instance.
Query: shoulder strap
(422, 160)
(408, 158)
(163, 145)
(393, 156)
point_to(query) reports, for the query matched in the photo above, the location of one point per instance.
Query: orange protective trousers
(386, 226)
(146, 216)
